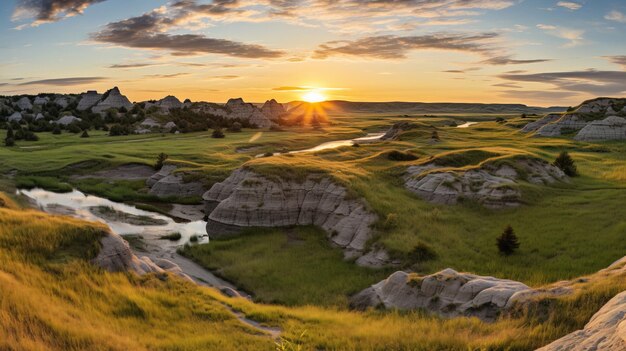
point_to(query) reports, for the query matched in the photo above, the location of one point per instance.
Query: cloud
(462, 70)
(397, 47)
(618, 60)
(149, 31)
(569, 5)
(172, 75)
(507, 85)
(592, 82)
(573, 36)
(507, 60)
(227, 77)
(537, 95)
(132, 65)
(45, 11)
(66, 81)
(616, 16)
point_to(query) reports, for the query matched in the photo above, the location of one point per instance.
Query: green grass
(263, 261)
(47, 183)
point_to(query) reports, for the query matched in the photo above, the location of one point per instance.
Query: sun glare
(313, 96)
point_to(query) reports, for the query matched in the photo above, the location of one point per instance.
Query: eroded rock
(611, 128)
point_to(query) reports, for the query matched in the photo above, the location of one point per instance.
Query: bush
(9, 142)
(507, 242)
(396, 155)
(565, 162)
(160, 161)
(422, 252)
(435, 135)
(85, 134)
(56, 130)
(236, 127)
(172, 237)
(501, 120)
(217, 133)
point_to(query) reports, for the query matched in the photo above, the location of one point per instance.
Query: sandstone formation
(40, 100)
(88, 100)
(493, 184)
(246, 111)
(606, 331)
(15, 117)
(24, 103)
(166, 183)
(396, 129)
(116, 256)
(447, 293)
(247, 199)
(62, 102)
(169, 102)
(273, 110)
(575, 120)
(610, 128)
(67, 120)
(112, 99)
(150, 123)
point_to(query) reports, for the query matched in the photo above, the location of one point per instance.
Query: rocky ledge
(248, 199)
(493, 184)
(116, 256)
(166, 183)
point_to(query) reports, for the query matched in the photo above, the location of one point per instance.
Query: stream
(369, 138)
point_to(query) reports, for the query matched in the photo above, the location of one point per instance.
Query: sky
(536, 52)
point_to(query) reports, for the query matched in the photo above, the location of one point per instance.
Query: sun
(313, 96)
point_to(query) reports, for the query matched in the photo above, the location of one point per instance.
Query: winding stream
(369, 138)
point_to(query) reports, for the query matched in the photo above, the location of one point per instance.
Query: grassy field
(44, 263)
(565, 230)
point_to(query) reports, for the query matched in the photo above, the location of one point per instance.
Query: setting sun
(313, 96)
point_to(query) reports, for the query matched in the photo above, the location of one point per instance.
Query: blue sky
(530, 51)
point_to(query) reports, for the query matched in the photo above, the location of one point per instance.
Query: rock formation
(40, 100)
(245, 111)
(248, 199)
(447, 293)
(112, 99)
(493, 184)
(88, 100)
(62, 102)
(169, 102)
(273, 110)
(610, 128)
(606, 331)
(396, 129)
(67, 120)
(15, 117)
(166, 183)
(547, 119)
(24, 104)
(116, 256)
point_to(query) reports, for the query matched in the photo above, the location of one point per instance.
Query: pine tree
(565, 162)
(160, 161)
(85, 134)
(507, 242)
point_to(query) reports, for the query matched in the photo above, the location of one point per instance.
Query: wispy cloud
(171, 75)
(45, 11)
(618, 60)
(592, 82)
(573, 36)
(569, 5)
(616, 16)
(66, 81)
(507, 60)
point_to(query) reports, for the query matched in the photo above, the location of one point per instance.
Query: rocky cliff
(245, 111)
(165, 183)
(112, 99)
(247, 199)
(492, 184)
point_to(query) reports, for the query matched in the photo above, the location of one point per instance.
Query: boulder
(605, 331)
(39, 116)
(24, 103)
(273, 110)
(447, 293)
(169, 126)
(67, 120)
(15, 117)
(610, 128)
(248, 199)
(112, 99)
(162, 173)
(88, 100)
(62, 102)
(40, 100)
(493, 184)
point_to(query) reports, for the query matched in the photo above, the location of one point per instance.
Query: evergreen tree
(56, 130)
(507, 242)
(565, 162)
(85, 134)
(160, 161)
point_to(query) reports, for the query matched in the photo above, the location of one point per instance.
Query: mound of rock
(166, 183)
(246, 111)
(24, 103)
(605, 331)
(247, 199)
(553, 125)
(611, 128)
(88, 100)
(396, 129)
(116, 256)
(40, 100)
(112, 99)
(169, 102)
(447, 293)
(15, 117)
(493, 184)
(273, 110)
(67, 120)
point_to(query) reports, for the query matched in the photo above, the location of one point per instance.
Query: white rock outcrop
(169, 102)
(611, 128)
(24, 103)
(446, 293)
(87, 100)
(547, 119)
(247, 199)
(273, 110)
(246, 111)
(112, 99)
(40, 100)
(62, 102)
(166, 183)
(606, 331)
(67, 120)
(15, 117)
(493, 184)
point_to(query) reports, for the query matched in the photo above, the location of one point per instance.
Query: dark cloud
(537, 95)
(507, 85)
(132, 65)
(43, 11)
(618, 60)
(591, 81)
(149, 32)
(66, 81)
(462, 70)
(397, 47)
(507, 60)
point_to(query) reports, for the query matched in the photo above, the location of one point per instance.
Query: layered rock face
(166, 183)
(112, 99)
(245, 111)
(605, 331)
(169, 102)
(247, 199)
(273, 110)
(446, 293)
(24, 103)
(40, 100)
(88, 100)
(493, 185)
(611, 128)
(116, 256)
(67, 120)
(588, 113)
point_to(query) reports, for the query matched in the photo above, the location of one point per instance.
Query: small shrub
(236, 127)
(9, 142)
(501, 120)
(171, 237)
(160, 161)
(422, 252)
(193, 238)
(565, 162)
(434, 135)
(507, 242)
(217, 133)
(85, 134)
